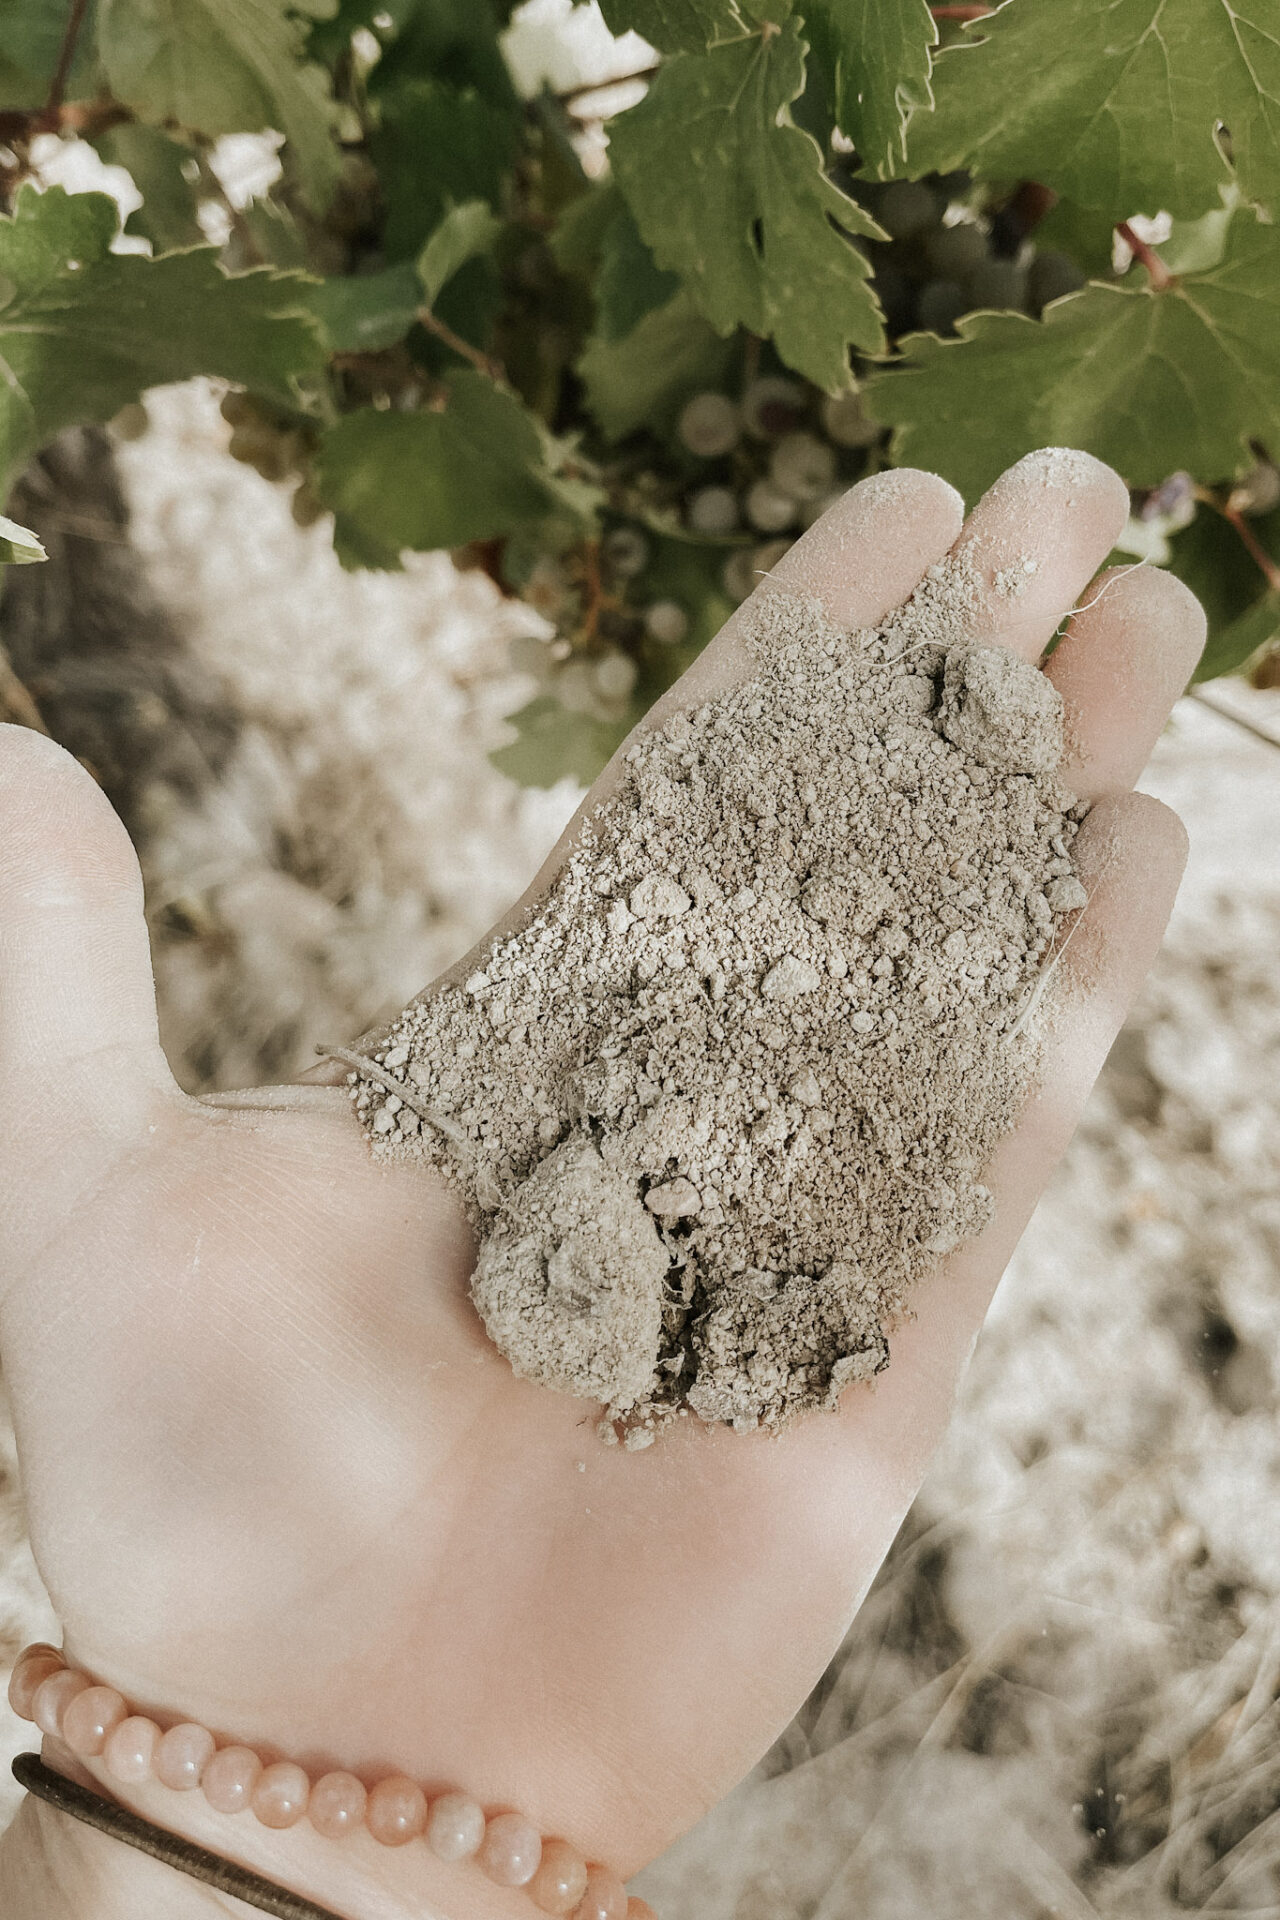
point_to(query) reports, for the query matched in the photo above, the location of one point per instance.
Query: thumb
(80, 1048)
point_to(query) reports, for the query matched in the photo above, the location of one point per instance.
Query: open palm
(279, 1481)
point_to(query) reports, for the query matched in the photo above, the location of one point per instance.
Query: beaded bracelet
(95, 1722)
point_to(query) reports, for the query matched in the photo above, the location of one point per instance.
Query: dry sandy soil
(1061, 1696)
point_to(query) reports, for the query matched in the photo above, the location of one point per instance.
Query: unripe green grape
(574, 688)
(666, 622)
(998, 283)
(769, 509)
(953, 252)
(615, 675)
(738, 574)
(940, 305)
(907, 207)
(627, 551)
(710, 425)
(803, 466)
(713, 511)
(844, 421)
(1050, 276)
(772, 406)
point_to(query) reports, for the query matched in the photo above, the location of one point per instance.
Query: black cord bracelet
(109, 1817)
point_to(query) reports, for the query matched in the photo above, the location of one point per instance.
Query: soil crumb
(728, 1093)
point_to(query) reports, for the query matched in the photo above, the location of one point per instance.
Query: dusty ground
(1060, 1698)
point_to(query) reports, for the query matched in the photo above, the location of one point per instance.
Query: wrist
(54, 1866)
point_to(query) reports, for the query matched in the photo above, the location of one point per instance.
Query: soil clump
(728, 1093)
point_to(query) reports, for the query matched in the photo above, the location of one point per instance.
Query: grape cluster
(764, 468)
(944, 258)
(745, 474)
(276, 445)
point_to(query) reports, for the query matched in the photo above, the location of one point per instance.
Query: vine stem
(961, 13)
(442, 331)
(66, 55)
(1161, 278)
(1252, 545)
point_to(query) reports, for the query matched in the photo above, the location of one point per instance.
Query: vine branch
(443, 331)
(1252, 545)
(961, 13)
(1161, 278)
(66, 56)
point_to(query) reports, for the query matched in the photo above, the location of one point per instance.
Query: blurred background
(1061, 1697)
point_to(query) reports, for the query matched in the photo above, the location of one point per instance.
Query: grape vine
(623, 381)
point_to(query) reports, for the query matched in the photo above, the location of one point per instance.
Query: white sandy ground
(1061, 1697)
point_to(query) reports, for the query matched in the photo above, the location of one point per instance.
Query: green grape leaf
(18, 545)
(225, 66)
(629, 283)
(365, 312)
(465, 231)
(644, 379)
(31, 36)
(577, 239)
(690, 26)
(1209, 557)
(84, 330)
(552, 744)
(730, 194)
(1115, 106)
(1232, 646)
(159, 168)
(1149, 382)
(1082, 232)
(455, 41)
(428, 480)
(435, 147)
(879, 55)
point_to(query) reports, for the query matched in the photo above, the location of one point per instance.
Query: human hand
(279, 1482)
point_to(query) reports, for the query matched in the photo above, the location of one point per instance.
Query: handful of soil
(728, 1093)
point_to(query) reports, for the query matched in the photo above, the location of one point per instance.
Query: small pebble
(805, 1088)
(658, 897)
(1066, 895)
(789, 978)
(675, 1200)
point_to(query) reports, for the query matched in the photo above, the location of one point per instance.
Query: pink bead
(511, 1849)
(33, 1666)
(638, 1909)
(396, 1811)
(280, 1797)
(130, 1752)
(182, 1756)
(455, 1828)
(561, 1879)
(53, 1696)
(606, 1897)
(90, 1717)
(337, 1804)
(230, 1778)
